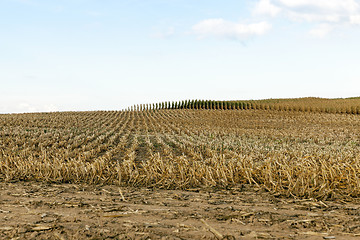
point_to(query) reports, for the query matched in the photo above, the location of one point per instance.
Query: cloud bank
(231, 30)
(325, 14)
(25, 106)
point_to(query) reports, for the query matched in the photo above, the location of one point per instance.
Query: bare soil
(30, 210)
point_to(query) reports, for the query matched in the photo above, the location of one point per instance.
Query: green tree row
(195, 104)
(305, 106)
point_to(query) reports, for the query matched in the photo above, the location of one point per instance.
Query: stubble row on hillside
(292, 153)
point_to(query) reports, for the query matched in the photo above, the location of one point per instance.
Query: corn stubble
(310, 154)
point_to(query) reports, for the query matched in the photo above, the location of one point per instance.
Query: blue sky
(64, 55)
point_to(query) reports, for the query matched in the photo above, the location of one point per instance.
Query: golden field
(299, 151)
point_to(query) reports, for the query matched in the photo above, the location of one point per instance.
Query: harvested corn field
(296, 154)
(284, 154)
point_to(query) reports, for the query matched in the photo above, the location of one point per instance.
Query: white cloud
(321, 30)
(314, 17)
(330, 11)
(319, 5)
(226, 29)
(327, 14)
(24, 107)
(355, 19)
(265, 7)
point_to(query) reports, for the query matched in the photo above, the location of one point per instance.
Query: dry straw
(294, 153)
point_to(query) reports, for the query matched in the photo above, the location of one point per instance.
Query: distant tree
(187, 104)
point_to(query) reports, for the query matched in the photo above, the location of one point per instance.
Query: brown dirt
(31, 210)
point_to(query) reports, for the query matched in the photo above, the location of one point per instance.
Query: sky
(80, 55)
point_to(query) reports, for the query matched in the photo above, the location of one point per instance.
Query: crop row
(292, 153)
(348, 106)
